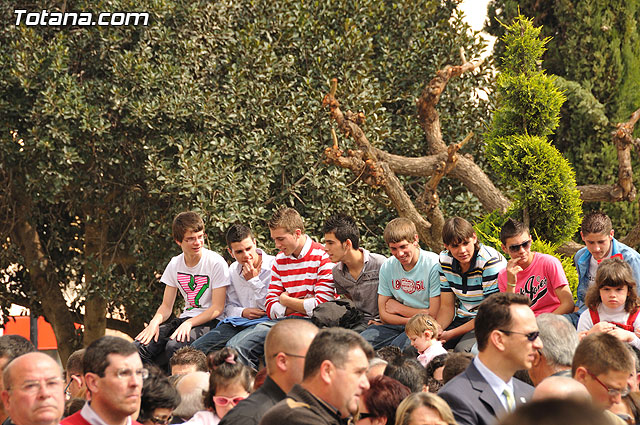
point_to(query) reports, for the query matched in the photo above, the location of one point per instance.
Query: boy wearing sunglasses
(538, 276)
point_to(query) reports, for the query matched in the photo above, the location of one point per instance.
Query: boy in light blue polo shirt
(409, 284)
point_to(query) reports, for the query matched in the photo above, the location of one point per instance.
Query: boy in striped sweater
(300, 280)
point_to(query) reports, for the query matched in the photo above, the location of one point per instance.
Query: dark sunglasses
(516, 248)
(531, 336)
(161, 421)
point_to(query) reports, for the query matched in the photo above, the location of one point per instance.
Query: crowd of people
(335, 334)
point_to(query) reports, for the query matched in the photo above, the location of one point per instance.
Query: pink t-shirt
(539, 282)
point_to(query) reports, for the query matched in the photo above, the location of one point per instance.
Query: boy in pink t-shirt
(538, 276)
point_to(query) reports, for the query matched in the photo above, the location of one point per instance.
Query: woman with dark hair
(159, 398)
(378, 404)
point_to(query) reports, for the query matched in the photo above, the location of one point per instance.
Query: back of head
(559, 339)
(333, 344)
(436, 363)
(286, 218)
(287, 336)
(189, 356)
(421, 322)
(188, 221)
(400, 229)
(390, 353)
(12, 346)
(343, 227)
(454, 365)
(383, 397)
(157, 392)
(596, 222)
(432, 401)
(601, 353)
(95, 359)
(511, 229)
(192, 387)
(561, 387)
(226, 370)
(495, 313)
(556, 412)
(456, 230)
(408, 372)
(237, 233)
(74, 362)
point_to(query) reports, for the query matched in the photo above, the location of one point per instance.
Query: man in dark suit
(508, 339)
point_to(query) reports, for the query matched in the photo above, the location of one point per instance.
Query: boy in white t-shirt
(201, 276)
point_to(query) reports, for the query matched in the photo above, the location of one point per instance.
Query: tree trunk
(45, 281)
(95, 322)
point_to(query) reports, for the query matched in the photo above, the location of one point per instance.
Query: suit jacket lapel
(487, 395)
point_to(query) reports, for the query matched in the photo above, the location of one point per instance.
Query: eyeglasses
(67, 393)
(290, 355)
(366, 415)
(161, 421)
(125, 373)
(33, 387)
(516, 248)
(611, 391)
(223, 401)
(531, 336)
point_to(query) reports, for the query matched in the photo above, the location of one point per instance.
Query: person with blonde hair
(421, 407)
(422, 330)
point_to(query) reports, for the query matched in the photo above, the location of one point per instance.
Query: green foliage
(216, 107)
(528, 105)
(596, 49)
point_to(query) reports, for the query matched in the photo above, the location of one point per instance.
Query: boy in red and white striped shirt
(301, 278)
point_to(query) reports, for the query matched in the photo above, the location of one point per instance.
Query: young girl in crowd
(422, 331)
(612, 303)
(229, 383)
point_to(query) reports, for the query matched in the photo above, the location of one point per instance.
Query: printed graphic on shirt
(194, 286)
(535, 288)
(409, 286)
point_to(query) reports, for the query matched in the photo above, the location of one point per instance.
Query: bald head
(561, 387)
(191, 387)
(34, 390)
(288, 336)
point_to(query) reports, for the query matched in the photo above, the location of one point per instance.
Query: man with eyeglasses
(34, 390)
(603, 365)
(508, 339)
(538, 276)
(113, 374)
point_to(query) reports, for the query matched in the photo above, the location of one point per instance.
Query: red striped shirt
(306, 277)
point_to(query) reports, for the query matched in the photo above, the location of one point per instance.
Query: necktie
(511, 402)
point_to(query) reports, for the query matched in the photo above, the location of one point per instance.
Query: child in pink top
(538, 276)
(422, 331)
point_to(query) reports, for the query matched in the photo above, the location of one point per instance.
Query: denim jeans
(384, 335)
(217, 338)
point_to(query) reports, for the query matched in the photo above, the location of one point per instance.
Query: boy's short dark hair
(237, 233)
(189, 355)
(596, 222)
(343, 227)
(188, 221)
(512, 228)
(95, 359)
(457, 230)
(495, 313)
(12, 346)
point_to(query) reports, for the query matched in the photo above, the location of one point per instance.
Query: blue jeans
(384, 335)
(217, 338)
(250, 343)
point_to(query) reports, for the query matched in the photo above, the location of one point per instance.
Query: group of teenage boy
(237, 305)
